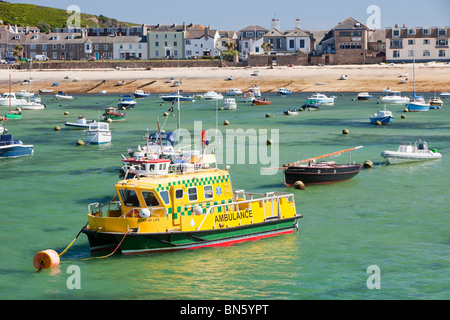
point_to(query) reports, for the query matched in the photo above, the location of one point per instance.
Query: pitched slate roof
(350, 23)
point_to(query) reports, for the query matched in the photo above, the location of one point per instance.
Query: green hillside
(21, 14)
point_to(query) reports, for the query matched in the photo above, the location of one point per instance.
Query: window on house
(411, 32)
(278, 43)
(105, 47)
(249, 34)
(396, 33)
(175, 43)
(156, 44)
(63, 47)
(441, 53)
(426, 31)
(396, 53)
(188, 41)
(302, 43)
(291, 44)
(44, 47)
(96, 47)
(410, 42)
(410, 53)
(442, 32)
(426, 53)
(442, 42)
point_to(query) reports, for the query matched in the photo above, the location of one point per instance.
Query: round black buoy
(269, 142)
(345, 131)
(299, 185)
(226, 123)
(166, 114)
(368, 164)
(268, 115)
(57, 128)
(66, 113)
(403, 116)
(406, 110)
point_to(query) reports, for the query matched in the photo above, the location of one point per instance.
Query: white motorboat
(395, 97)
(256, 91)
(98, 133)
(435, 103)
(81, 123)
(284, 91)
(445, 95)
(233, 92)
(212, 95)
(364, 96)
(248, 97)
(24, 94)
(406, 152)
(33, 105)
(126, 102)
(141, 94)
(229, 104)
(322, 99)
(385, 90)
(11, 97)
(62, 96)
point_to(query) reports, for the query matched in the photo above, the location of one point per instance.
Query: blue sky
(238, 14)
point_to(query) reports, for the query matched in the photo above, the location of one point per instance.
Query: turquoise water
(395, 217)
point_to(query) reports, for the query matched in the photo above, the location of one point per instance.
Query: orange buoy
(46, 259)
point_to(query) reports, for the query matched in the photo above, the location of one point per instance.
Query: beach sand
(430, 77)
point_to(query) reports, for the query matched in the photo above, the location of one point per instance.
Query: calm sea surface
(395, 217)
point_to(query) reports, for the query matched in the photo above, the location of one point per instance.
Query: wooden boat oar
(309, 159)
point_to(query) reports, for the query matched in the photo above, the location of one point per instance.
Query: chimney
(276, 24)
(297, 23)
(207, 32)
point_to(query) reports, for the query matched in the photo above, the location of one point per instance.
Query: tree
(267, 47)
(18, 51)
(44, 26)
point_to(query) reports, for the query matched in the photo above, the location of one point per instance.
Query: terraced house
(425, 44)
(166, 41)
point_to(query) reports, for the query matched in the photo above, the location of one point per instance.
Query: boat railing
(96, 208)
(239, 203)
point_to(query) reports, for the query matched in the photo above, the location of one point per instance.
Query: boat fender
(345, 131)
(145, 213)
(46, 259)
(197, 210)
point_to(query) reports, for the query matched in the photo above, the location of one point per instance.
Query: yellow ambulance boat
(185, 208)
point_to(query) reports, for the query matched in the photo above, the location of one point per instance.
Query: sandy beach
(430, 77)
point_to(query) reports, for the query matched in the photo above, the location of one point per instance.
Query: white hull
(60, 97)
(98, 133)
(33, 106)
(229, 104)
(395, 157)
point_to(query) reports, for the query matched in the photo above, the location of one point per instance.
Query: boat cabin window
(150, 199)
(208, 191)
(179, 194)
(192, 192)
(165, 196)
(129, 197)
